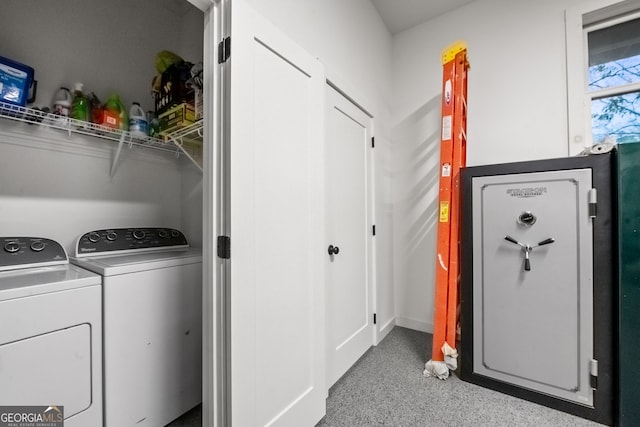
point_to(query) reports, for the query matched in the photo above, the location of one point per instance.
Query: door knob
(333, 250)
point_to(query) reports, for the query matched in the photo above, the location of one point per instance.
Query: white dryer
(152, 307)
(51, 331)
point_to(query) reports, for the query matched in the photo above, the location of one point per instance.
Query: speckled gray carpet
(386, 388)
(193, 418)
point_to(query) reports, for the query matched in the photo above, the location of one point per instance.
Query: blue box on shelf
(16, 80)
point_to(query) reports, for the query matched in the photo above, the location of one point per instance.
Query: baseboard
(384, 330)
(416, 325)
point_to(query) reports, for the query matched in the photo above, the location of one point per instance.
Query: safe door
(530, 306)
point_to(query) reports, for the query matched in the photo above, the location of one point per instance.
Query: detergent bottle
(111, 112)
(137, 121)
(62, 102)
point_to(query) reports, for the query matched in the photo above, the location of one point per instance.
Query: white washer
(50, 331)
(152, 308)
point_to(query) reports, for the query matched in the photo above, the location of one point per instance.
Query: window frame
(579, 21)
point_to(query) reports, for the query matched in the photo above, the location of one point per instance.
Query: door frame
(348, 91)
(216, 84)
(217, 13)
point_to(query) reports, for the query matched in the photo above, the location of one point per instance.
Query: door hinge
(374, 319)
(224, 247)
(593, 373)
(373, 142)
(374, 230)
(224, 50)
(593, 203)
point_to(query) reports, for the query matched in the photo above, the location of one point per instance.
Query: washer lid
(41, 280)
(113, 265)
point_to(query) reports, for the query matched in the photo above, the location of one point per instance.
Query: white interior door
(349, 295)
(277, 348)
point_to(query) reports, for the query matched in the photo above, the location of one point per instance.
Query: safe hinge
(224, 247)
(373, 142)
(374, 319)
(224, 50)
(374, 230)
(593, 203)
(593, 373)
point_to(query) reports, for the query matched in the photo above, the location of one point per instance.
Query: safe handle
(528, 248)
(512, 240)
(546, 241)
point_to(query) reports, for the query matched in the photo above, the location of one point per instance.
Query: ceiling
(400, 15)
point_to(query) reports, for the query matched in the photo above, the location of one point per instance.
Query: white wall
(350, 39)
(107, 45)
(62, 190)
(517, 110)
(61, 187)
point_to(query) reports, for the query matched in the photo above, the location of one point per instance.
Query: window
(613, 82)
(603, 72)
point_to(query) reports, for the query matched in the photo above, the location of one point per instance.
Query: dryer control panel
(126, 240)
(25, 252)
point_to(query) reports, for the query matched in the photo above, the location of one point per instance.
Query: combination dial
(527, 219)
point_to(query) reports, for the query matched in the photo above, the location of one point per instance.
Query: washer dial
(12, 247)
(37, 246)
(138, 234)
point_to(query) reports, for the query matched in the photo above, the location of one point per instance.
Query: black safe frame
(604, 275)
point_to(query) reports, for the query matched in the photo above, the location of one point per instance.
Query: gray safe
(536, 282)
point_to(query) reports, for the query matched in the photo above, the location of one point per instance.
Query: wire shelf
(73, 126)
(189, 140)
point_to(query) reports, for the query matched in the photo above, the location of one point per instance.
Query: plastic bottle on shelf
(124, 116)
(62, 102)
(80, 105)
(111, 112)
(96, 108)
(153, 124)
(137, 121)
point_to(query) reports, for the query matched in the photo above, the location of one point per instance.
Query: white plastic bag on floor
(441, 369)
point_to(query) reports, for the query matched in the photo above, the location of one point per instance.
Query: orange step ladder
(452, 159)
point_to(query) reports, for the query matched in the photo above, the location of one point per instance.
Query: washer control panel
(116, 240)
(23, 252)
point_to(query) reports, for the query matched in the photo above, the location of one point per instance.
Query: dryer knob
(138, 234)
(37, 246)
(175, 234)
(94, 237)
(162, 234)
(12, 247)
(111, 236)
